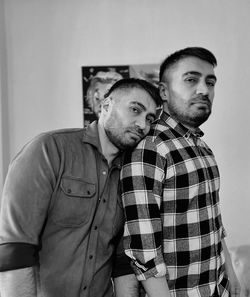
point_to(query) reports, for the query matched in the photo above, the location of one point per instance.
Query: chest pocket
(74, 201)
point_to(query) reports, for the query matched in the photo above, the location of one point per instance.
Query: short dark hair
(198, 52)
(129, 83)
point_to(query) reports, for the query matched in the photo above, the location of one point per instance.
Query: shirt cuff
(153, 268)
(122, 266)
(17, 255)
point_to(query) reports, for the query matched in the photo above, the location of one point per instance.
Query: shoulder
(70, 133)
(157, 139)
(58, 135)
(50, 141)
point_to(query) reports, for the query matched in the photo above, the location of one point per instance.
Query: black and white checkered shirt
(170, 192)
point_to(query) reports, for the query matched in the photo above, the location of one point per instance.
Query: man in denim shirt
(61, 216)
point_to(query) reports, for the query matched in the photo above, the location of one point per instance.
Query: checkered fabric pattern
(170, 192)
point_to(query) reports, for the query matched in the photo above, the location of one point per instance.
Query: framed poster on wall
(96, 80)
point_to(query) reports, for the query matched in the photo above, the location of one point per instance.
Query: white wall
(4, 131)
(48, 41)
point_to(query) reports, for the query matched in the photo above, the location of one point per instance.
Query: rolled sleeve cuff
(122, 266)
(17, 255)
(153, 268)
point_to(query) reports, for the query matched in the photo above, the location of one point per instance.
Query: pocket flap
(78, 188)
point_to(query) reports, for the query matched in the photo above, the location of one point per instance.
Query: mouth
(202, 102)
(202, 99)
(135, 135)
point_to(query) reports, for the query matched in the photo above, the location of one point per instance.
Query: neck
(187, 125)
(109, 150)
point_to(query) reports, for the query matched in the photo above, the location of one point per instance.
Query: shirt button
(104, 172)
(95, 228)
(91, 257)
(69, 191)
(104, 200)
(85, 288)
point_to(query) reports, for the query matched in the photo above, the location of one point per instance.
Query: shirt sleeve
(25, 201)
(141, 183)
(121, 265)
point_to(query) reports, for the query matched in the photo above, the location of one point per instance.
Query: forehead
(189, 65)
(134, 95)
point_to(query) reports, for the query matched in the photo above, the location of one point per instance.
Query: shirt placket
(206, 172)
(104, 173)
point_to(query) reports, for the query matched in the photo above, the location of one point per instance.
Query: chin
(202, 115)
(131, 144)
(199, 121)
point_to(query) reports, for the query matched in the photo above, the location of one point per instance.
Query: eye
(135, 109)
(150, 119)
(211, 83)
(191, 80)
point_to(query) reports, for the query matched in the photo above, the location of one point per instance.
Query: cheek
(123, 117)
(120, 120)
(181, 94)
(178, 101)
(146, 130)
(211, 96)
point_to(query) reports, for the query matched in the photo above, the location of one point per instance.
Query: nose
(202, 88)
(141, 123)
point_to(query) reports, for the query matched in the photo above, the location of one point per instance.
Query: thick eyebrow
(211, 76)
(142, 107)
(138, 103)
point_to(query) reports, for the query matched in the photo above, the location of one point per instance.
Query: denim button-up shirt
(61, 203)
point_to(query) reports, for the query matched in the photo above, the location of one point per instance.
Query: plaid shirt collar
(182, 130)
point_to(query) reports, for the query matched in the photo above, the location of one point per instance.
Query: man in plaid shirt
(170, 183)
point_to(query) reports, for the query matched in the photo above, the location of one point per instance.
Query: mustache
(137, 131)
(204, 98)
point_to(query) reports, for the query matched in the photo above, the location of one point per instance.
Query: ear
(106, 103)
(163, 90)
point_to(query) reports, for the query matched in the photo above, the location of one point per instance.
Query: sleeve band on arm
(122, 266)
(17, 255)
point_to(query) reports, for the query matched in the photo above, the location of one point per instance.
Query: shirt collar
(91, 136)
(184, 131)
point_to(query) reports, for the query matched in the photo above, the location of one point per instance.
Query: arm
(156, 287)
(18, 283)
(141, 177)
(26, 197)
(234, 283)
(126, 286)
(125, 282)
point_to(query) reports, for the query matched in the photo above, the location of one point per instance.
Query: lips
(202, 102)
(136, 134)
